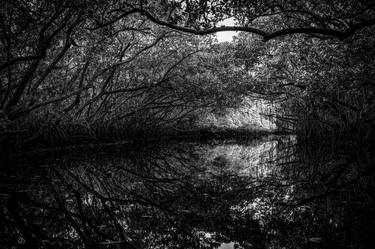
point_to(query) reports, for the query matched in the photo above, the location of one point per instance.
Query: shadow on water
(266, 193)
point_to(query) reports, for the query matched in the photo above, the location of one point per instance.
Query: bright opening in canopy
(226, 36)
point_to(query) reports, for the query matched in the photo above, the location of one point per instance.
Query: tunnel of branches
(73, 71)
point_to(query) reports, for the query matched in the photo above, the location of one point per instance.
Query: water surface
(265, 193)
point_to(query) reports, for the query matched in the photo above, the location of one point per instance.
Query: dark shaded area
(271, 192)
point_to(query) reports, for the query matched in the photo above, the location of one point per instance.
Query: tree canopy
(268, 19)
(150, 64)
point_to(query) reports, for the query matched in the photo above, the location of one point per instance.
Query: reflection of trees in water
(247, 160)
(177, 195)
(331, 198)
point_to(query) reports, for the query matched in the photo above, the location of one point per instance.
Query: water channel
(270, 192)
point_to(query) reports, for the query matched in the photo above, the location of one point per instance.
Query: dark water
(266, 193)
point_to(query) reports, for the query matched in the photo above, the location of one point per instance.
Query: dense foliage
(109, 68)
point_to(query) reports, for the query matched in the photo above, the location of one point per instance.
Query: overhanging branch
(265, 35)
